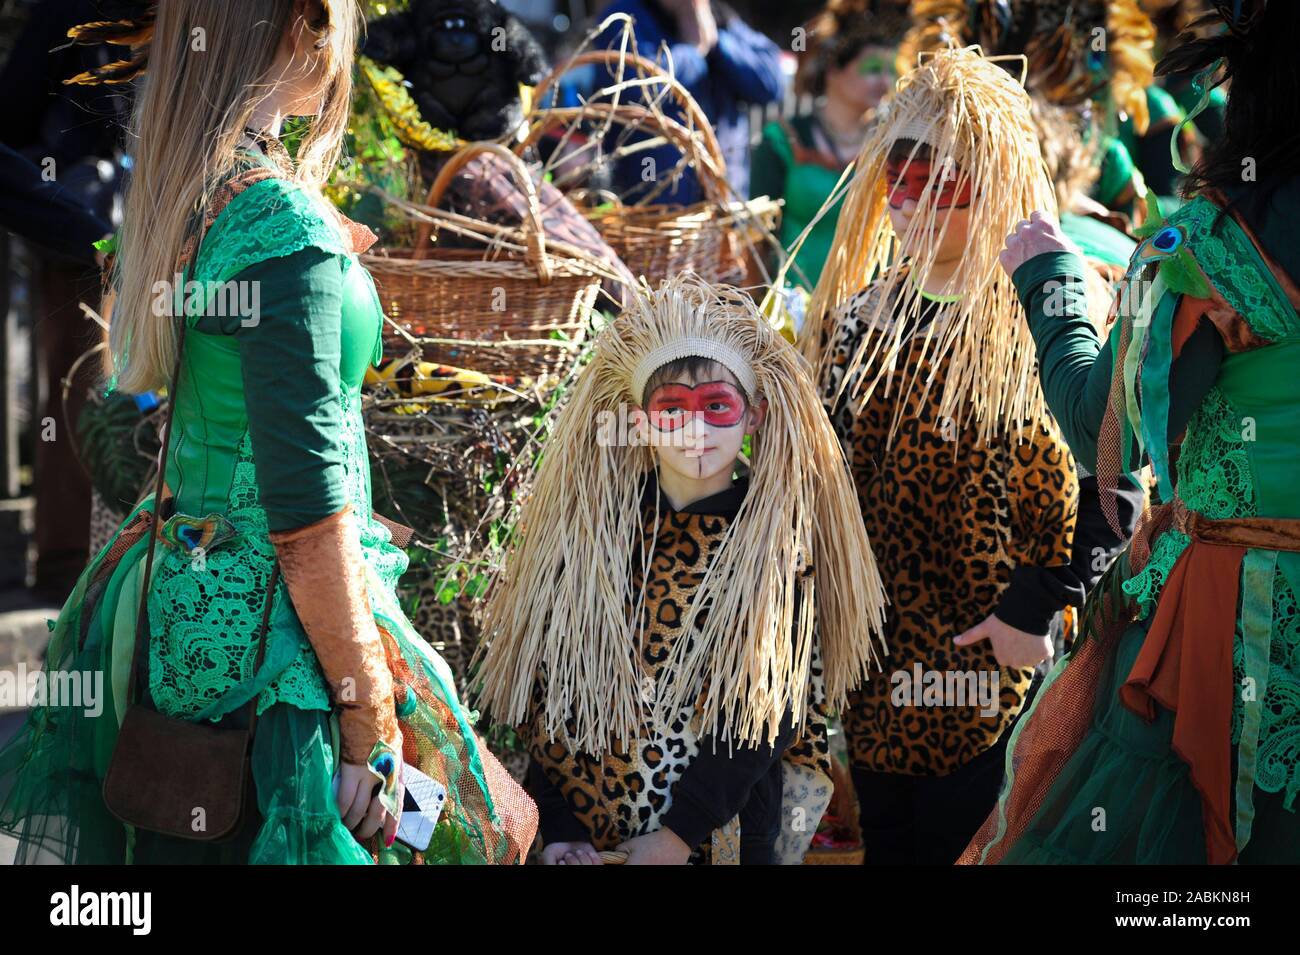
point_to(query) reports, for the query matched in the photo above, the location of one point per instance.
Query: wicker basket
(658, 240)
(515, 308)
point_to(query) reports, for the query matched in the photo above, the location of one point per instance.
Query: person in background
(966, 487)
(849, 66)
(1110, 86)
(71, 134)
(42, 212)
(1173, 723)
(722, 62)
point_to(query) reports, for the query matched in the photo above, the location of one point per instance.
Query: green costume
(786, 165)
(267, 436)
(1171, 733)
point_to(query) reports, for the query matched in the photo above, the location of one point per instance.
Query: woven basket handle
(613, 857)
(652, 69)
(648, 68)
(531, 229)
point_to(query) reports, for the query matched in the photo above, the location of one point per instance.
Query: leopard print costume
(949, 519)
(625, 792)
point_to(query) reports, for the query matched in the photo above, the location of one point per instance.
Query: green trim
(1258, 571)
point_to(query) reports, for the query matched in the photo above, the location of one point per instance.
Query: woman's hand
(359, 805)
(1033, 236)
(656, 848)
(570, 853)
(1011, 647)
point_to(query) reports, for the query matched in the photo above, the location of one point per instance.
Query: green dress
(1091, 780)
(268, 435)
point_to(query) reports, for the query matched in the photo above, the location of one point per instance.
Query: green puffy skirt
(52, 771)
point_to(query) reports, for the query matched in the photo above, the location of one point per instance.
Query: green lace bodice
(206, 607)
(1216, 479)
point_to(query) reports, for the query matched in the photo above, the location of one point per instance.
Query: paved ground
(9, 723)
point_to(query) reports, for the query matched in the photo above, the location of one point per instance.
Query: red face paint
(908, 181)
(719, 402)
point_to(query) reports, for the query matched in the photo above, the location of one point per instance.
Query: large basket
(658, 240)
(515, 308)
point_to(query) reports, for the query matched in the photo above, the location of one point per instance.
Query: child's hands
(656, 848)
(570, 853)
(1011, 647)
(1033, 236)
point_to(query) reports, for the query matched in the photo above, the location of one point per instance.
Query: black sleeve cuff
(555, 821)
(717, 784)
(1036, 594)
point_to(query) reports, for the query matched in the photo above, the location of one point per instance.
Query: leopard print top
(949, 519)
(625, 792)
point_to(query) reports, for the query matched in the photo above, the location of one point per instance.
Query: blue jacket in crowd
(744, 67)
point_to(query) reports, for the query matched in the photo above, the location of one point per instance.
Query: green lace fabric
(205, 613)
(1215, 480)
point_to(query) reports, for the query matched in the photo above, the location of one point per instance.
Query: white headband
(921, 130)
(729, 358)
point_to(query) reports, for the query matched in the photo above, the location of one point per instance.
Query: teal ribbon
(1258, 571)
(1154, 385)
(1204, 88)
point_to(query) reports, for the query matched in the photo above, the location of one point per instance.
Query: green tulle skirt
(1125, 797)
(51, 772)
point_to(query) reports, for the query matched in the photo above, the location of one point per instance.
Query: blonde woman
(270, 609)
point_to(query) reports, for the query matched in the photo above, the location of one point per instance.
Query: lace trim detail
(270, 219)
(1229, 259)
(1277, 764)
(1215, 479)
(206, 610)
(1145, 587)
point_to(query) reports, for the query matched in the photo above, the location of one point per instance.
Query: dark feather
(119, 71)
(135, 32)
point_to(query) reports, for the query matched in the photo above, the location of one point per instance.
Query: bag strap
(139, 678)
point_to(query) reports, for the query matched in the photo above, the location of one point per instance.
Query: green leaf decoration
(1183, 275)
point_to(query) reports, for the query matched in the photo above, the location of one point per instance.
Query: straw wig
(974, 119)
(564, 605)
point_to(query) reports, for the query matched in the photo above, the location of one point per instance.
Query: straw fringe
(982, 133)
(563, 604)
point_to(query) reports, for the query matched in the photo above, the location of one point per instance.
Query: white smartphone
(421, 807)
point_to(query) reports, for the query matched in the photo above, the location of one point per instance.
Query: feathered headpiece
(1076, 49)
(133, 32)
(975, 120)
(565, 601)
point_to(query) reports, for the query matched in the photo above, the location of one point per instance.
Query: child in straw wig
(664, 630)
(966, 487)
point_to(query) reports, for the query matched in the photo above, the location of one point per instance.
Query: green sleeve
(1075, 368)
(767, 166)
(290, 360)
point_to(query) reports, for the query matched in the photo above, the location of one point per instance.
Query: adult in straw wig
(1169, 735)
(966, 487)
(262, 688)
(673, 617)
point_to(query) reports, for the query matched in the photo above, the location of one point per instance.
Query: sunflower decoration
(1077, 50)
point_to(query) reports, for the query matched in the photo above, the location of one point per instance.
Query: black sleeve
(717, 784)
(1036, 593)
(43, 212)
(555, 821)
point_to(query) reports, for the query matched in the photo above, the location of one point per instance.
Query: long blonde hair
(208, 70)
